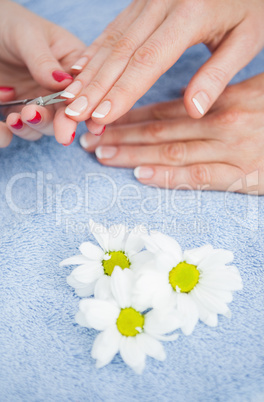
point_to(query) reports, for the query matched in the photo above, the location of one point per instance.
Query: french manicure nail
(142, 172)
(71, 141)
(105, 152)
(77, 107)
(80, 64)
(36, 119)
(102, 110)
(18, 125)
(72, 90)
(6, 89)
(201, 102)
(99, 134)
(88, 142)
(61, 76)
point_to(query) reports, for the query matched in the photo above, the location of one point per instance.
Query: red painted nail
(6, 89)
(71, 141)
(103, 130)
(18, 125)
(61, 75)
(35, 119)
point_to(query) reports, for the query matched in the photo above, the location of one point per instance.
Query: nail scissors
(41, 101)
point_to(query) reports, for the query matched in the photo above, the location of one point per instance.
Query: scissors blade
(15, 103)
(50, 99)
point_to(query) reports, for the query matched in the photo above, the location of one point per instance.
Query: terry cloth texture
(48, 193)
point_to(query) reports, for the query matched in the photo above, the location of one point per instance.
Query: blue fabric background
(44, 355)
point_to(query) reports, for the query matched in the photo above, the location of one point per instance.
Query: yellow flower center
(130, 322)
(115, 258)
(184, 277)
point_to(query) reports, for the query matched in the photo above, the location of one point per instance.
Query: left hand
(170, 149)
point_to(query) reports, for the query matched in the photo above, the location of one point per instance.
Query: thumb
(43, 66)
(212, 78)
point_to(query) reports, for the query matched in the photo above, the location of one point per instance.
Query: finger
(157, 111)
(16, 126)
(143, 70)
(5, 135)
(214, 176)
(211, 79)
(7, 94)
(154, 132)
(64, 128)
(174, 154)
(111, 34)
(98, 83)
(38, 118)
(42, 64)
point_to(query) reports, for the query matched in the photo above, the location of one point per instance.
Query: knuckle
(174, 153)
(155, 131)
(230, 117)
(200, 174)
(124, 46)
(147, 56)
(217, 76)
(112, 36)
(97, 86)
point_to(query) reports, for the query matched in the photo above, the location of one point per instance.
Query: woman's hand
(222, 151)
(35, 58)
(148, 37)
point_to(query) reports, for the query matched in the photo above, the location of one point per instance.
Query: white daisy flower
(124, 325)
(196, 283)
(118, 247)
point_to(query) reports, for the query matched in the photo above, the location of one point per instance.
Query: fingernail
(18, 125)
(98, 130)
(61, 76)
(80, 64)
(35, 119)
(6, 89)
(99, 134)
(88, 142)
(142, 172)
(102, 110)
(71, 141)
(77, 107)
(201, 102)
(72, 90)
(105, 152)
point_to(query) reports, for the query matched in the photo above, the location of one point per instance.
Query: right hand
(35, 58)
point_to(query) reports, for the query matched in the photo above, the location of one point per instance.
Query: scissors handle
(15, 103)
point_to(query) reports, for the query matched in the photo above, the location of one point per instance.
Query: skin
(26, 63)
(223, 151)
(149, 36)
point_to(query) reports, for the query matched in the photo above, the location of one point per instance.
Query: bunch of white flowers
(145, 288)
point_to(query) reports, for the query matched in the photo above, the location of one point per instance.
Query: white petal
(139, 260)
(206, 316)
(196, 255)
(99, 314)
(167, 244)
(216, 258)
(91, 251)
(132, 354)
(88, 273)
(151, 346)
(222, 278)
(135, 242)
(81, 320)
(102, 288)
(224, 295)
(100, 233)
(147, 289)
(187, 309)
(122, 281)
(75, 260)
(106, 345)
(158, 322)
(82, 289)
(209, 301)
(165, 262)
(117, 237)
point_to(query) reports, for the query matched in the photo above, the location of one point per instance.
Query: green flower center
(184, 277)
(115, 258)
(130, 322)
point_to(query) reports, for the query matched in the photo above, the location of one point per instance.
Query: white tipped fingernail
(77, 107)
(198, 106)
(102, 110)
(76, 67)
(105, 152)
(201, 101)
(83, 141)
(67, 95)
(142, 172)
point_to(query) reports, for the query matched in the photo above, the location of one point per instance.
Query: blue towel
(47, 195)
